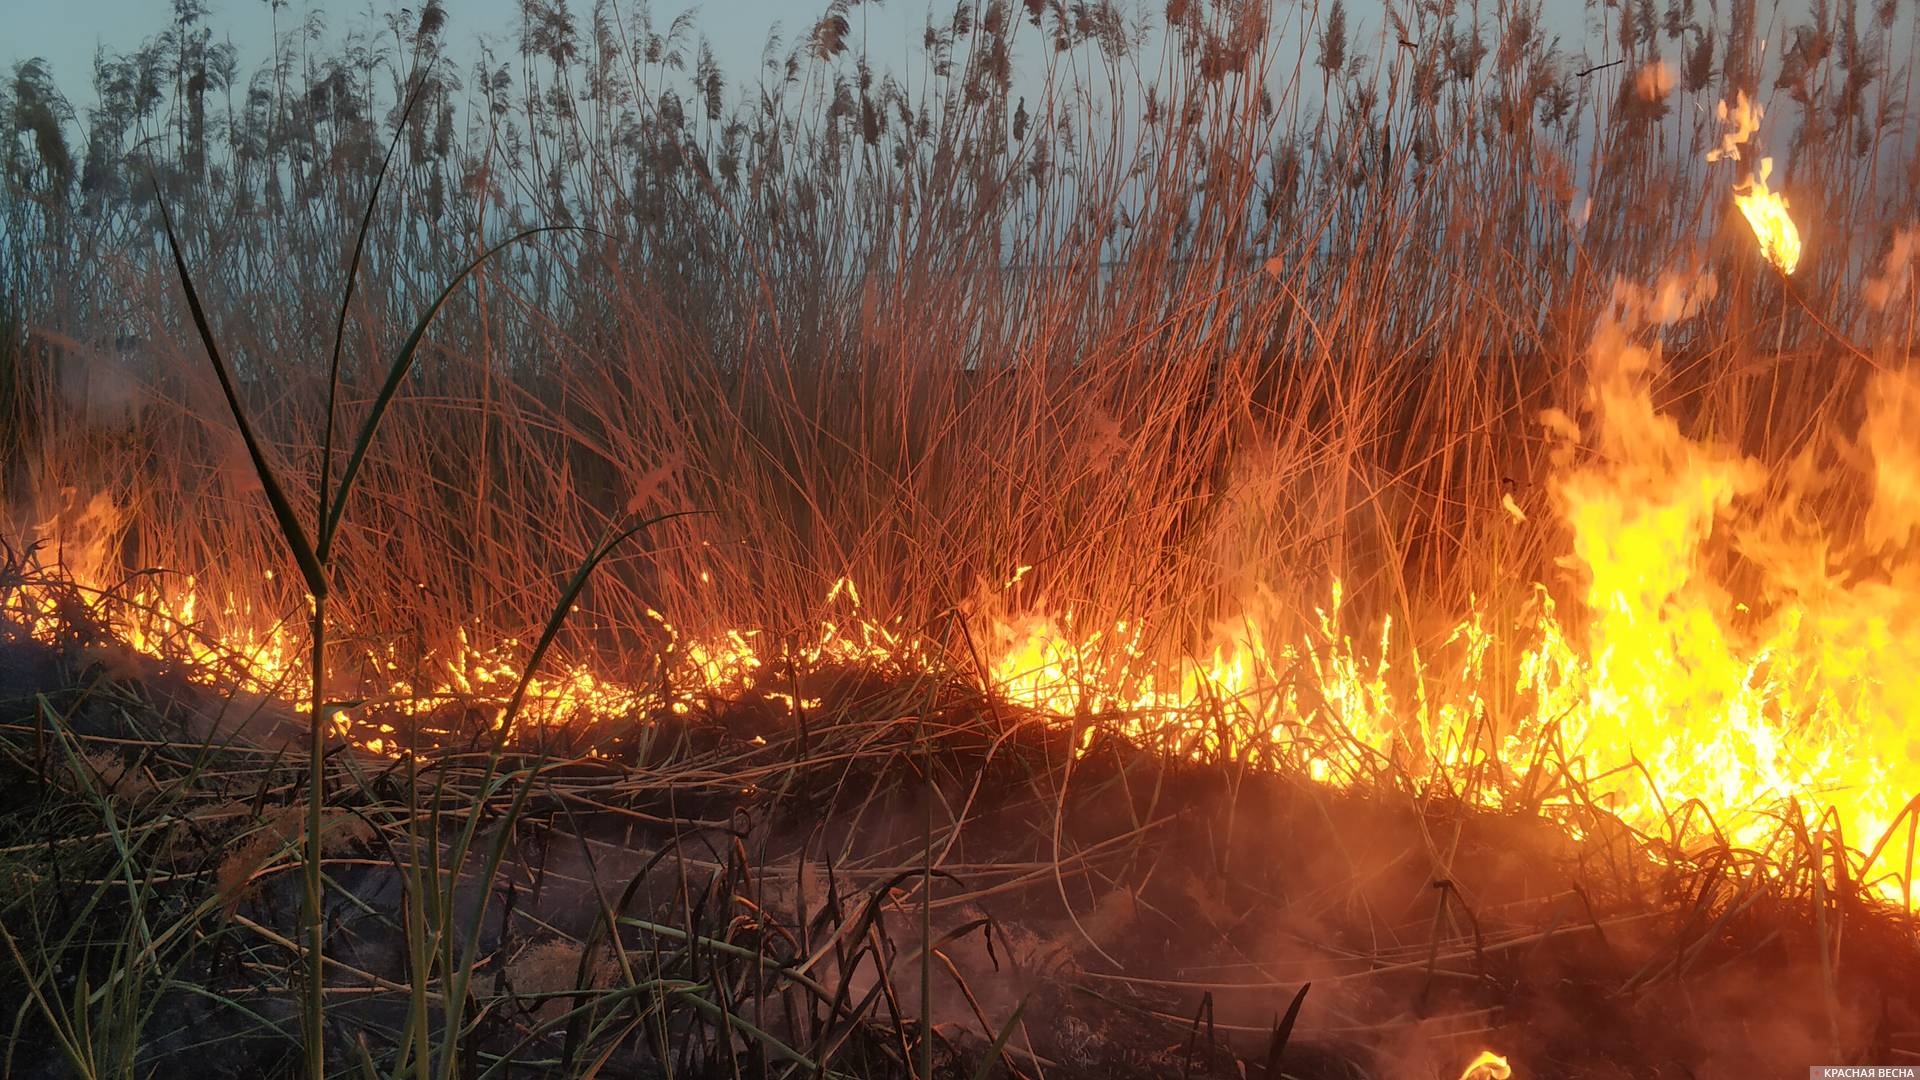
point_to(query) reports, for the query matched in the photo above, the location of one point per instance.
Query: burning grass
(904, 579)
(711, 894)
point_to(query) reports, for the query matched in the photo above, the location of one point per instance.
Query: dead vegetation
(1137, 314)
(723, 904)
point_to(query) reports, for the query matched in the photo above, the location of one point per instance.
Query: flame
(1685, 707)
(1487, 1065)
(1765, 210)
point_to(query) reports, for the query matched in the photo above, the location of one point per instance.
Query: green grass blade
(290, 529)
(1283, 1033)
(985, 1068)
(346, 291)
(559, 616)
(396, 375)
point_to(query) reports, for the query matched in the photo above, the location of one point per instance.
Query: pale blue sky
(67, 32)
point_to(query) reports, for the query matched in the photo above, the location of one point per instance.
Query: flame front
(1685, 707)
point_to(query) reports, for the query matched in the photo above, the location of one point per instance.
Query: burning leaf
(1765, 210)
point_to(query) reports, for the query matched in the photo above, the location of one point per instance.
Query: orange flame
(1683, 709)
(1487, 1066)
(1765, 210)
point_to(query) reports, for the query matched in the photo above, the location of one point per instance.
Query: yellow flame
(1684, 707)
(1766, 212)
(1487, 1066)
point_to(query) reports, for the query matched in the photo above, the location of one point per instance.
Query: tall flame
(1764, 209)
(1685, 707)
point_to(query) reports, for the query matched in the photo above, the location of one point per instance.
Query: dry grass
(1269, 339)
(717, 906)
(1171, 311)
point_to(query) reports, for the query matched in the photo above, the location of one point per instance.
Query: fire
(1667, 692)
(1765, 210)
(1686, 710)
(1487, 1065)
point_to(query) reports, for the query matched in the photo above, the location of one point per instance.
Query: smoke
(85, 530)
(1896, 270)
(102, 389)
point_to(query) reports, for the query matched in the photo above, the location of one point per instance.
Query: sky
(67, 32)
